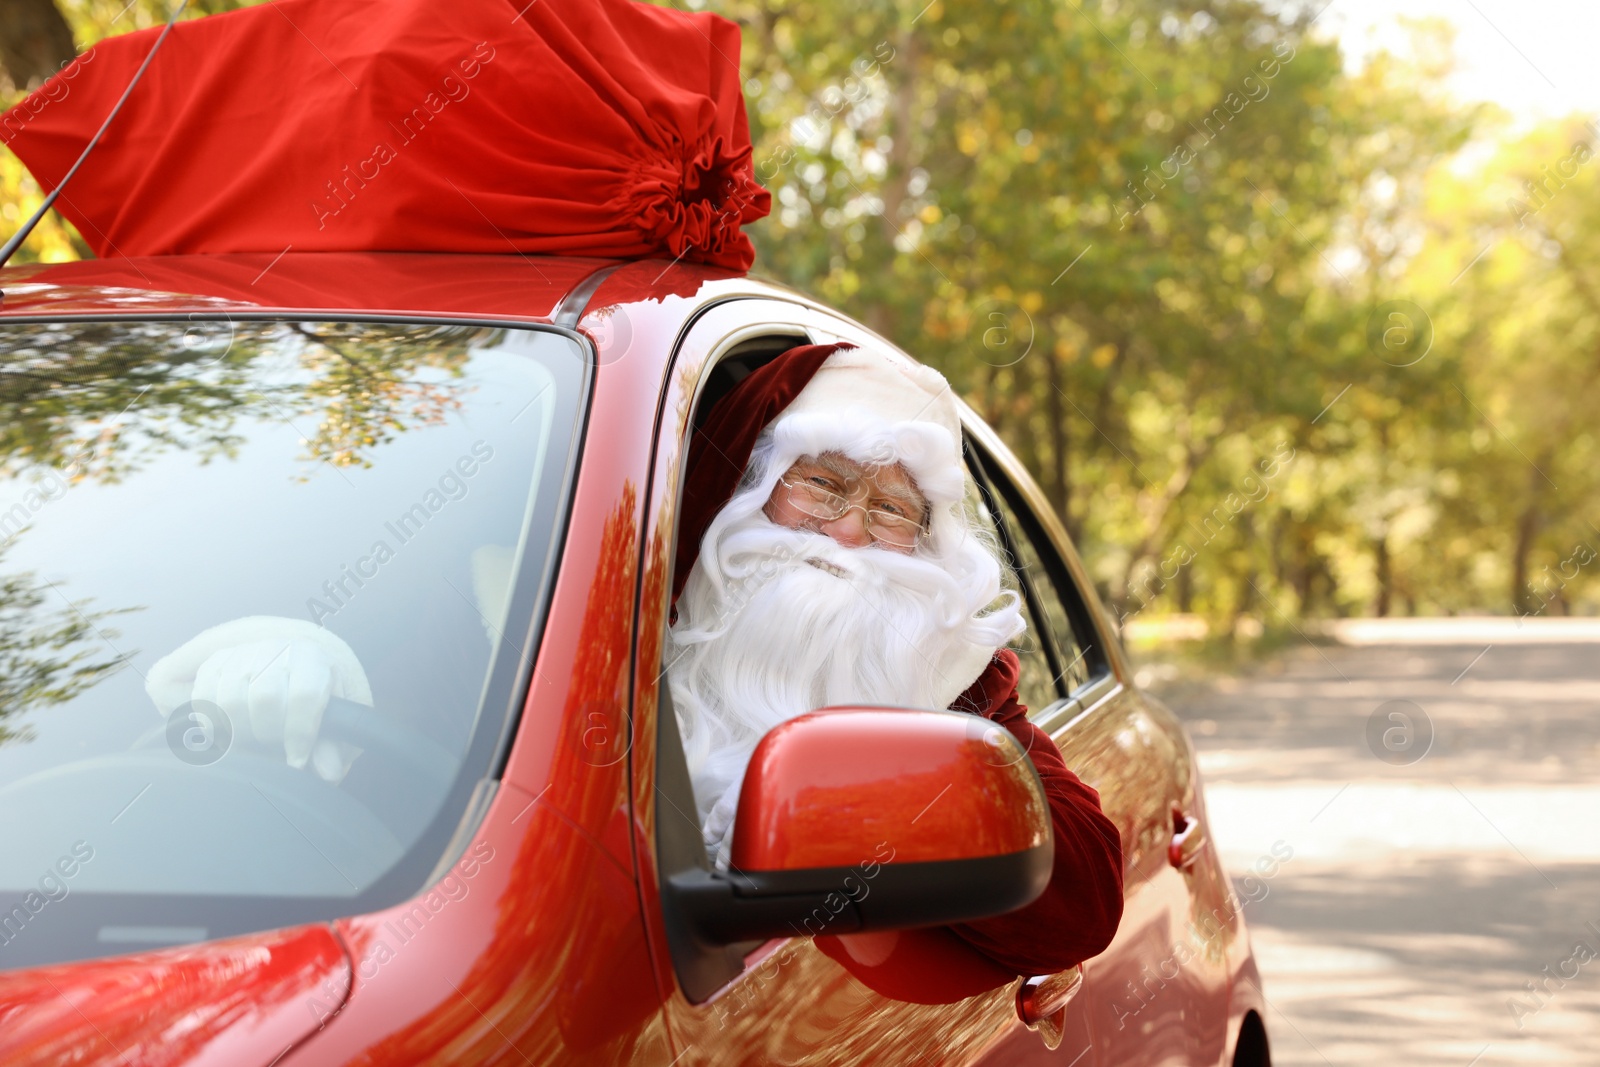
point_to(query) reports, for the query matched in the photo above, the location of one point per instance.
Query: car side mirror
(856, 819)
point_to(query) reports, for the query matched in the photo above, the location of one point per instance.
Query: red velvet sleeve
(1077, 915)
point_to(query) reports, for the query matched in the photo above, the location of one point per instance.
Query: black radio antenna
(21, 235)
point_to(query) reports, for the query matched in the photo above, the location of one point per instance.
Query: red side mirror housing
(878, 819)
(838, 787)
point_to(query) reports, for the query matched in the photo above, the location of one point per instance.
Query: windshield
(268, 593)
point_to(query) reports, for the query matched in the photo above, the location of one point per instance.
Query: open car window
(1072, 657)
(179, 500)
(1036, 678)
(1054, 600)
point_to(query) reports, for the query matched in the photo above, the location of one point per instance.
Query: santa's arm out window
(1077, 915)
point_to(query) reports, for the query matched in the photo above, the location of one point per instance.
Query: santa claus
(827, 556)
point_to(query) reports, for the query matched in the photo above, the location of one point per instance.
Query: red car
(466, 470)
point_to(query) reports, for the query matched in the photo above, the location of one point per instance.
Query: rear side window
(1064, 631)
(1036, 683)
(207, 531)
(1073, 659)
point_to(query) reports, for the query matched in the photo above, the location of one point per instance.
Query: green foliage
(1147, 239)
(91, 400)
(51, 648)
(1162, 246)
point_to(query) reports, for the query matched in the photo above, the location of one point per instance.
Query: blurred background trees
(1281, 339)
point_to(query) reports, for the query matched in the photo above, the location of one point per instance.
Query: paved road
(1442, 905)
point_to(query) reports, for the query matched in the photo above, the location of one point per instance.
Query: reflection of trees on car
(51, 648)
(366, 385)
(91, 399)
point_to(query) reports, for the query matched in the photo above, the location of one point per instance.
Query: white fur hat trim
(878, 407)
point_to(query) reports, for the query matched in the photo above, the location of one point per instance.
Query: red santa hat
(873, 405)
(879, 407)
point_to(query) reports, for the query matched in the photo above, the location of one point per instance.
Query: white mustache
(760, 549)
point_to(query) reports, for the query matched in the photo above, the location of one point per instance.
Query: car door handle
(1187, 840)
(1042, 1003)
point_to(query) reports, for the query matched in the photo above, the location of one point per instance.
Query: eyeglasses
(809, 498)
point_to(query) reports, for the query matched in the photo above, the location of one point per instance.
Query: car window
(1036, 685)
(192, 514)
(1073, 656)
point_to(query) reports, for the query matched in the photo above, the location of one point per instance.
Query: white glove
(274, 673)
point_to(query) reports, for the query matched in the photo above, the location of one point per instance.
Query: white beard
(763, 635)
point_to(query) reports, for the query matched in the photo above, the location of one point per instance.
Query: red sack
(581, 127)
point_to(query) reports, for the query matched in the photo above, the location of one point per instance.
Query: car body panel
(529, 951)
(555, 951)
(1123, 750)
(221, 1002)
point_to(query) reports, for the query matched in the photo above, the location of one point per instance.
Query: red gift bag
(581, 127)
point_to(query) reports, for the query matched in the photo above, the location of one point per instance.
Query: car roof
(512, 287)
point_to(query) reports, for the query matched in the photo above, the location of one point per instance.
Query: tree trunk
(35, 41)
(1024, 441)
(902, 152)
(988, 403)
(1154, 508)
(1250, 581)
(1523, 602)
(1380, 549)
(1058, 485)
(903, 74)
(1303, 573)
(1380, 545)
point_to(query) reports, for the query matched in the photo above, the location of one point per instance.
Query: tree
(50, 648)
(1165, 247)
(35, 42)
(92, 400)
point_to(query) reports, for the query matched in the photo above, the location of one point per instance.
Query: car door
(1158, 995)
(893, 998)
